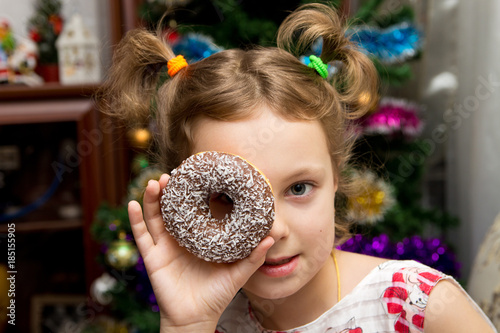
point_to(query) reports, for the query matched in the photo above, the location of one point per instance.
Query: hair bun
(357, 78)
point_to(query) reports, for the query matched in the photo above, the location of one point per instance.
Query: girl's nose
(280, 227)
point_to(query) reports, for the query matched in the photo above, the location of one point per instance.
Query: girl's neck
(303, 307)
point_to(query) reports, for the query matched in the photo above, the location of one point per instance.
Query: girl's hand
(191, 293)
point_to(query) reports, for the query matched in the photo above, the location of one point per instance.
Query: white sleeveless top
(391, 298)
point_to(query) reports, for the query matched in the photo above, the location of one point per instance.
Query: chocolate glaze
(186, 213)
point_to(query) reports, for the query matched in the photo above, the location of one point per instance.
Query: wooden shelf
(45, 91)
(44, 111)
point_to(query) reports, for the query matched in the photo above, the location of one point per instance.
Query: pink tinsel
(393, 116)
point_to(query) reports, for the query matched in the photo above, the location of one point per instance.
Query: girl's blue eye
(300, 189)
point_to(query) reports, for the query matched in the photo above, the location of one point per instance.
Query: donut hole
(221, 205)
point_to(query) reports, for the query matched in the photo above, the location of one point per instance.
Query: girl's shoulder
(354, 268)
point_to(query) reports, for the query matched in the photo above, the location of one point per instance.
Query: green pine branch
(367, 11)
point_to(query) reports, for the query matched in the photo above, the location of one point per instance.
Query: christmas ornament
(139, 162)
(392, 116)
(122, 254)
(78, 54)
(195, 46)
(44, 28)
(389, 46)
(99, 289)
(373, 199)
(432, 252)
(7, 45)
(395, 44)
(18, 58)
(7, 40)
(139, 137)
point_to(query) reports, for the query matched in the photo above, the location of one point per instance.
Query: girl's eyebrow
(306, 171)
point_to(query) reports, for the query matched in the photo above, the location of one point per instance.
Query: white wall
(474, 154)
(17, 13)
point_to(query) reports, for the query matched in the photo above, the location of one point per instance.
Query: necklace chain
(338, 275)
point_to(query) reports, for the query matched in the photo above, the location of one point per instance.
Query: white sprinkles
(186, 213)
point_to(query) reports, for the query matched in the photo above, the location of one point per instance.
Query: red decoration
(35, 36)
(57, 23)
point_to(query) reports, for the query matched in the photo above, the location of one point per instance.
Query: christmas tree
(44, 28)
(389, 160)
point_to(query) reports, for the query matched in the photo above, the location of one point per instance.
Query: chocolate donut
(185, 206)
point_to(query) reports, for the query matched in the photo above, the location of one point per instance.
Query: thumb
(246, 267)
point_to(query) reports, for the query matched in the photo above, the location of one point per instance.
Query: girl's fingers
(152, 212)
(158, 229)
(163, 180)
(142, 236)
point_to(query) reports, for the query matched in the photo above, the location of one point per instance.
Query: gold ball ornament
(140, 137)
(373, 198)
(122, 254)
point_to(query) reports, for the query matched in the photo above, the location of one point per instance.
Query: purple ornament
(431, 252)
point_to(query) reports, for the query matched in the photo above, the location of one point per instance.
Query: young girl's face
(294, 157)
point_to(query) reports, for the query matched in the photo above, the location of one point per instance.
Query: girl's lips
(279, 267)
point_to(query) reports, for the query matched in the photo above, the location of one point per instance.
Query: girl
(290, 120)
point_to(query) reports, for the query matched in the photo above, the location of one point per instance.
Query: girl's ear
(335, 180)
(336, 175)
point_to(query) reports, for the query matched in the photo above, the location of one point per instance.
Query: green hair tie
(318, 65)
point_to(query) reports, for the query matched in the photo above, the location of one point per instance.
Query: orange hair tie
(176, 64)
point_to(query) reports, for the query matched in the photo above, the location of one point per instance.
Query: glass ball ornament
(122, 254)
(140, 137)
(99, 289)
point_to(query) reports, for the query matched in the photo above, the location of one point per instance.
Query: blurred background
(427, 155)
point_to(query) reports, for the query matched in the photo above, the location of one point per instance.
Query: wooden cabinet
(60, 158)
(69, 157)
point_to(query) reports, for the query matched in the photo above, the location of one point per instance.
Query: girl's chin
(267, 295)
(275, 291)
(281, 281)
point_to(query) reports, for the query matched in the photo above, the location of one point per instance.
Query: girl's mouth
(279, 267)
(278, 262)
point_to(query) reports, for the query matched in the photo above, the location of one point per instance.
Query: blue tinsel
(194, 47)
(395, 44)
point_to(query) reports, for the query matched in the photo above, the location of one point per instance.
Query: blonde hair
(230, 84)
